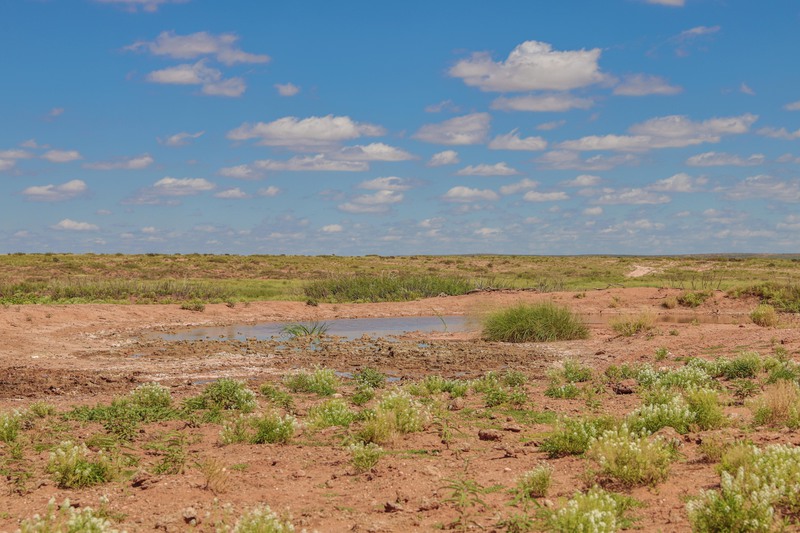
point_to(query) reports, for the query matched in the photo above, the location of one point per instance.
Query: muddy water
(354, 328)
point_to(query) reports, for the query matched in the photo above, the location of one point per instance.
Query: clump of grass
(573, 436)
(690, 376)
(575, 372)
(41, 409)
(782, 296)
(268, 428)
(10, 425)
(387, 288)
(194, 305)
(225, 394)
(396, 413)
(705, 405)
(67, 519)
(330, 413)
(764, 315)
(534, 483)
(262, 519)
(650, 418)
(567, 391)
(322, 381)
(631, 325)
(778, 405)
(172, 449)
(277, 396)
(313, 330)
(72, 466)
(693, 298)
(365, 457)
(597, 511)
(542, 322)
(670, 302)
(370, 377)
(745, 365)
(631, 459)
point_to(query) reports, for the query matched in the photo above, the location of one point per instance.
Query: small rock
(143, 480)
(392, 507)
(457, 404)
(428, 504)
(490, 434)
(190, 516)
(513, 428)
(626, 386)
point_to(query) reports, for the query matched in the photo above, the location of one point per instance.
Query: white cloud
(746, 89)
(317, 162)
(15, 154)
(222, 47)
(719, 159)
(378, 202)
(768, 187)
(6, 164)
(542, 103)
(568, 160)
(547, 126)
(535, 196)
(779, 133)
(498, 169)
(793, 106)
(531, 66)
(180, 139)
(467, 194)
(73, 225)
(332, 228)
(31, 143)
(232, 194)
(62, 156)
(391, 183)
(130, 163)
(149, 230)
(630, 197)
(522, 185)
(199, 74)
(644, 84)
(287, 89)
(304, 133)
(467, 129)
(149, 6)
(372, 152)
(680, 182)
(593, 211)
(269, 192)
(512, 141)
(788, 158)
(448, 157)
(56, 112)
(182, 186)
(445, 105)
(55, 193)
(672, 3)
(673, 131)
(684, 40)
(632, 227)
(487, 232)
(584, 180)
(241, 172)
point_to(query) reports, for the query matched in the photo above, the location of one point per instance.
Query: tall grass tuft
(542, 322)
(387, 288)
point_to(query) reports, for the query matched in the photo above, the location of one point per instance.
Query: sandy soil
(85, 354)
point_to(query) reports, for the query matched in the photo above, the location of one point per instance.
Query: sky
(438, 127)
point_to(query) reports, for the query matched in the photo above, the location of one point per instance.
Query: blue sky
(310, 127)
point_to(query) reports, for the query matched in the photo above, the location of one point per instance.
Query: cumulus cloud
(672, 3)
(793, 106)
(62, 156)
(765, 186)
(309, 132)
(516, 188)
(467, 129)
(630, 197)
(287, 89)
(6, 164)
(684, 41)
(390, 183)
(531, 66)
(584, 180)
(593, 211)
(181, 139)
(232, 194)
(150, 6)
(223, 47)
(644, 84)
(316, 163)
(199, 74)
(498, 169)
(15, 154)
(512, 141)
(241, 172)
(448, 157)
(467, 194)
(445, 105)
(779, 133)
(372, 152)
(680, 182)
(746, 89)
(55, 193)
(569, 160)
(332, 228)
(182, 186)
(378, 202)
(788, 158)
(547, 126)
(129, 163)
(68, 224)
(536, 196)
(542, 103)
(720, 159)
(674, 131)
(269, 192)
(487, 232)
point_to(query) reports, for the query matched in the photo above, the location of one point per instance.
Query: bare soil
(87, 354)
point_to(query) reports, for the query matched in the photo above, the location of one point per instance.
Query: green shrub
(322, 381)
(151, 396)
(764, 315)
(10, 424)
(704, 404)
(567, 391)
(330, 413)
(534, 483)
(595, 511)
(72, 467)
(778, 405)
(262, 519)
(363, 395)
(365, 456)
(268, 428)
(782, 296)
(41, 409)
(494, 396)
(542, 322)
(746, 365)
(650, 418)
(631, 459)
(194, 305)
(574, 372)
(513, 378)
(370, 377)
(573, 436)
(277, 396)
(397, 412)
(693, 299)
(225, 394)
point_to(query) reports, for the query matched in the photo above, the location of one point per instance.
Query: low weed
(262, 519)
(573, 436)
(567, 391)
(10, 425)
(533, 484)
(277, 397)
(652, 417)
(631, 325)
(387, 288)
(267, 428)
(364, 457)
(73, 467)
(194, 305)
(370, 377)
(693, 298)
(544, 322)
(778, 405)
(171, 447)
(313, 330)
(68, 519)
(631, 459)
(575, 372)
(330, 413)
(225, 394)
(595, 511)
(322, 381)
(764, 315)
(396, 413)
(782, 296)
